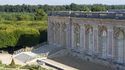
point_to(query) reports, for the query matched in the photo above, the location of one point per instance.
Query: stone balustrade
(101, 15)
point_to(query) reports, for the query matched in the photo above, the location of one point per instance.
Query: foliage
(46, 8)
(40, 14)
(22, 33)
(98, 7)
(21, 30)
(23, 16)
(33, 67)
(0, 62)
(12, 64)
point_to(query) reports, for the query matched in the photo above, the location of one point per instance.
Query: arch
(63, 34)
(77, 35)
(103, 41)
(89, 39)
(56, 33)
(119, 42)
(52, 32)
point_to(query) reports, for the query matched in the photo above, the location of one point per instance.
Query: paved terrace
(59, 65)
(80, 14)
(74, 62)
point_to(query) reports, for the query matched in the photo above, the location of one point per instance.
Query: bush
(33, 67)
(25, 32)
(21, 37)
(12, 63)
(0, 62)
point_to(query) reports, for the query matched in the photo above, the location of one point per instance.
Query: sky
(61, 2)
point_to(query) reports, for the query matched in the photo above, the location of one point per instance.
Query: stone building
(96, 36)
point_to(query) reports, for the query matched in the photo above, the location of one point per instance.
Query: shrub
(12, 64)
(25, 32)
(33, 67)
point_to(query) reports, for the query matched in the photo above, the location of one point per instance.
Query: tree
(40, 14)
(74, 7)
(98, 7)
(85, 8)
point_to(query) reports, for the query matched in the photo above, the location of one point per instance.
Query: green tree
(74, 7)
(98, 7)
(85, 8)
(40, 14)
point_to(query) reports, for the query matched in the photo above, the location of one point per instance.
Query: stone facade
(96, 37)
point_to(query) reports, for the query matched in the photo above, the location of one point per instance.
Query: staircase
(47, 49)
(60, 53)
(25, 56)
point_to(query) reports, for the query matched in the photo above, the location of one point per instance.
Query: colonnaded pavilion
(93, 36)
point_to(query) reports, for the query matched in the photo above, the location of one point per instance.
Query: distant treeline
(46, 8)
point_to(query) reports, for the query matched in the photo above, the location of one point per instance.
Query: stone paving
(59, 65)
(24, 57)
(50, 49)
(79, 64)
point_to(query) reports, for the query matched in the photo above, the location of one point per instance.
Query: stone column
(110, 42)
(95, 39)
(48, 30)
(68, 35)
(82, 37)
(60, 42)
(54, 34)
(124, 46)
(58, 34)
(72, 35)
(66, 38)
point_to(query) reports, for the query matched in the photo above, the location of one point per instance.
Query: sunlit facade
(96, 37)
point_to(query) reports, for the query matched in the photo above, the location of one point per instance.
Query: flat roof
(82, 14)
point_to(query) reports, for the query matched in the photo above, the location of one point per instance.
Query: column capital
(109, 28)
(82, 25)
(95, 27)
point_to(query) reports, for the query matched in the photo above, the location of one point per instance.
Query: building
(96, 36)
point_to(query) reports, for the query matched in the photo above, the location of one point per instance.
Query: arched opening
(103, 42)
(89, 39)
(52, 32)
(58, 34)
(63, 38)
(90, 34)
(119, 49)
(76, 35)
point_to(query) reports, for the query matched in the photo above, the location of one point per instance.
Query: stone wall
(90, 38)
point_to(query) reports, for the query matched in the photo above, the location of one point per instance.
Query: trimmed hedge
(19, 38)
(22, 29)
